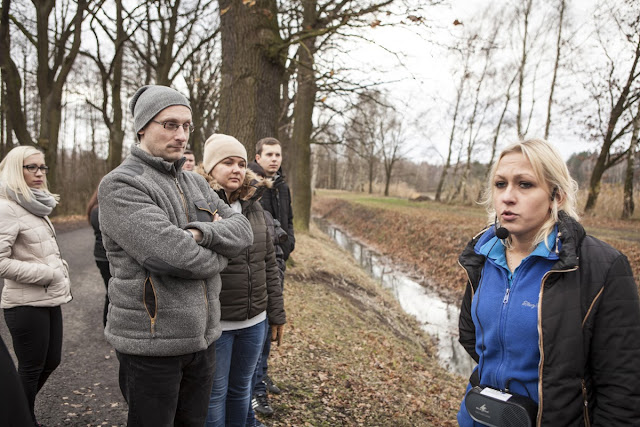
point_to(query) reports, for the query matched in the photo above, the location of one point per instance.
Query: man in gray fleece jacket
(168, 236)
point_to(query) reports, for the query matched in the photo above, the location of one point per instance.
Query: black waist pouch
(495, 408)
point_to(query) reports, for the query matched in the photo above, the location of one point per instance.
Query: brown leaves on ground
(350, 355)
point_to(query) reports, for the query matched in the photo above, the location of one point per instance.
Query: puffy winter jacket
(589, 332)
(251, 282)
(30, 262)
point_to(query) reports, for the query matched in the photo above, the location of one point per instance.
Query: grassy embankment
(350, 356)
(429, 236)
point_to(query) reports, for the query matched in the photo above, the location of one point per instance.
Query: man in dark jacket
(277, 201)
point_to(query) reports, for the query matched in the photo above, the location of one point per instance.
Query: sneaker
(271, 387)
(260, 404)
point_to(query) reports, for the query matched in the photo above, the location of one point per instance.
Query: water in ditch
(438, 317)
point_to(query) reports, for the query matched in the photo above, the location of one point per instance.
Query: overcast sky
(428, 77)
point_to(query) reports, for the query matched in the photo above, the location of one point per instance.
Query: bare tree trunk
(50, 79)
(555, 68)
(496, 133)
(11, 77)
(456, 110)
(523, 64)
(116, 130)
(628, 205)
(252, 70)
(603, 163)
(303, 124)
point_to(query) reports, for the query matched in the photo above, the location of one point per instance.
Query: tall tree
(110, 67)
(57, 40)
(171, 32)
(202, 76)
(527, 6)
(253, 66)
(628, 206)
(622, 97)
(556, 65)
(464, 77)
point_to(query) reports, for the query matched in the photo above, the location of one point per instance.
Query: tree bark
(303, 123)
(628, 206)
(116, 131)
(252, 70)
(16, 120)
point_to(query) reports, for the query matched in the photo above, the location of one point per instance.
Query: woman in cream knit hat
(251, 290)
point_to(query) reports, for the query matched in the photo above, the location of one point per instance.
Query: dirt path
(84, 390)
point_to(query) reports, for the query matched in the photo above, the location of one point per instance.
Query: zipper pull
(506, 296)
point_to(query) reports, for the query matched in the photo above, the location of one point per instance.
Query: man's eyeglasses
(34, 168)
(173, 126)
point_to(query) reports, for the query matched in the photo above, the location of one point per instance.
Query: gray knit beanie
(149, 100)
(218, 147)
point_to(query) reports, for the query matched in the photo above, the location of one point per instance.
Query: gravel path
(84, 390)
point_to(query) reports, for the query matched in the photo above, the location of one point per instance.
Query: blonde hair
(12, 172)
(550, 169)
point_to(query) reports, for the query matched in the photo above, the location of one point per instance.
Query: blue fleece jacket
(505, 312)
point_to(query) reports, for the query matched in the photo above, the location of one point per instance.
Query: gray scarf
(40, 205)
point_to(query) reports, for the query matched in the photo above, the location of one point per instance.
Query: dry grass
(350, 355)
(429, 236)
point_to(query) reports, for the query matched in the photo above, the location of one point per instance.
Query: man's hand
(277, 331)
(197, 234)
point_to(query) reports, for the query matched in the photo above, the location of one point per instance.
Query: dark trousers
(14, 410)
(103, 266)
(167, 390)
(36, 333)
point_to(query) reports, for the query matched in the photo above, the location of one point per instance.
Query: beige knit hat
(218, 147)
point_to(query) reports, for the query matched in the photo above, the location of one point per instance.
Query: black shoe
(271, 387)
(260, 404)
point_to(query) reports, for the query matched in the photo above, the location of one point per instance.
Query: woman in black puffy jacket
(251, 290)
(550, 313)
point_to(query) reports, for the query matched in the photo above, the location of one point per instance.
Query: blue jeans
(237, 354)
(257, 386)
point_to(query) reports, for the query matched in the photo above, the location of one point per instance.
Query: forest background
(558, 69)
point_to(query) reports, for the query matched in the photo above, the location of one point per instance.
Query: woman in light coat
(36, 278)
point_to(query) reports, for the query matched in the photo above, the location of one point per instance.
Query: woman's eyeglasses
(34, 168)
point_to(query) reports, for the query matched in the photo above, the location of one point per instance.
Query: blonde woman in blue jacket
(36, 278)
(550, 313)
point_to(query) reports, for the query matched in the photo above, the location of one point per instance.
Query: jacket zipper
(250, 283)
(541, 340)
(585, 409)
(206, 304)
(184, 200)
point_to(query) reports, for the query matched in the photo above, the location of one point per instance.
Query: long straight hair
(12, 172)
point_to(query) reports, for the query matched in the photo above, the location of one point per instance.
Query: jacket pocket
(150, 300)
(203, 211)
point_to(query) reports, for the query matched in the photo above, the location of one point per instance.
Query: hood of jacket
(252, 187)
